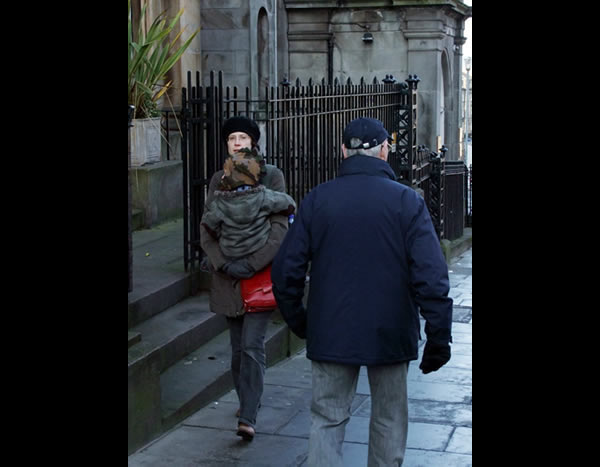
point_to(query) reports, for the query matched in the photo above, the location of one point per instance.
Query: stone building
(258, 43)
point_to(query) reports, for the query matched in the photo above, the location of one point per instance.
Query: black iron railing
(456, 194)
(469, 198)
(302, 127)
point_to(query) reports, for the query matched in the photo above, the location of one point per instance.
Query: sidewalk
(440, 411)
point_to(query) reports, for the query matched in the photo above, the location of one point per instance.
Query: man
(247, 330)
(375, 263)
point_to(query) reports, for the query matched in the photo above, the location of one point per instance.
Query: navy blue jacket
(375, 263)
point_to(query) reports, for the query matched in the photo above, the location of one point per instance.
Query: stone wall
(407, 39)
(240, 38)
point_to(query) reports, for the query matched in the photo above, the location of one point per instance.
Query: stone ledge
(455, 247)
(157, 190)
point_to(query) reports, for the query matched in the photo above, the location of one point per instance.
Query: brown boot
(245, 431)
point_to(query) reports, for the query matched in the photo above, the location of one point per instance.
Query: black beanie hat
(243, 124)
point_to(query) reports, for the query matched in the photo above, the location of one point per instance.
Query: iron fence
(456, 195)
(469, 199)
(302, 127)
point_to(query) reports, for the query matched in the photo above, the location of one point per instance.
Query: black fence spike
(413, 80)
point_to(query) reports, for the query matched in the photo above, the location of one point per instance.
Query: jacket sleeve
(211, 221)
(279, 224)
(429, 276)
(289, 273)
(263, 256)
(209, 244)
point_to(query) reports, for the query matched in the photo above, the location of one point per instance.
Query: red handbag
(257, 291)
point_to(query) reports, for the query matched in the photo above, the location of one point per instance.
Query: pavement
(440, 411)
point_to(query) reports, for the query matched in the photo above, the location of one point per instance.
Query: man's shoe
(246, 432)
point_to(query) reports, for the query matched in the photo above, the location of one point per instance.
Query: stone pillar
(425, 33)
(459, 40)
(226, 35)
(308, 36)
(192, 57)
(282, 49)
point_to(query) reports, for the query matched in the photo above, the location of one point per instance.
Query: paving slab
(461, 441)
(209, 447)
(439, 392)
(427, 458)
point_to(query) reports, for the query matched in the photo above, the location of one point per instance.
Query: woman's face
(237, 141)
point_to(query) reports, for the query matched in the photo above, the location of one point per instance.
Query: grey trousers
(248, 361)
(334, 387)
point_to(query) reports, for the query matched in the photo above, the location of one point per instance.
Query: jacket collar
(236, 194)
(366, 165)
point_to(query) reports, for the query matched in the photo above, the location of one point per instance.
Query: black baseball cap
(369, 131)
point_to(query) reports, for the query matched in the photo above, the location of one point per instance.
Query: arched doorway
(263, 51)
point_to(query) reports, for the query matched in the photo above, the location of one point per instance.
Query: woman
(247, 331)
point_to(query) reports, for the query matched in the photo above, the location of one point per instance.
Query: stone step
(182, 362)
(158, 271)
(205, 374)
(137, 219)
(163, 339)
(153, 293)
(134, 338)
(175, 332)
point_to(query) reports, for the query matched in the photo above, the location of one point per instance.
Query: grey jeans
(248, 361)
(334, 387)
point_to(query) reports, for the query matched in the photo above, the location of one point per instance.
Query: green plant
(151, 56)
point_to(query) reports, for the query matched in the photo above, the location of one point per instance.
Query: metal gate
(302, 127)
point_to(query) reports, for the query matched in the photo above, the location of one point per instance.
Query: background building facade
(259, 43)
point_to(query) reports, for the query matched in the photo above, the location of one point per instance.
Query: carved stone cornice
(424, 34)
(310, 36)
(460, 40)
(456, 6)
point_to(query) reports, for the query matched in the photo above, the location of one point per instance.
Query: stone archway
(263, 56)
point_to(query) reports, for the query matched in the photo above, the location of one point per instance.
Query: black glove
(434, 357)
(238, 269)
